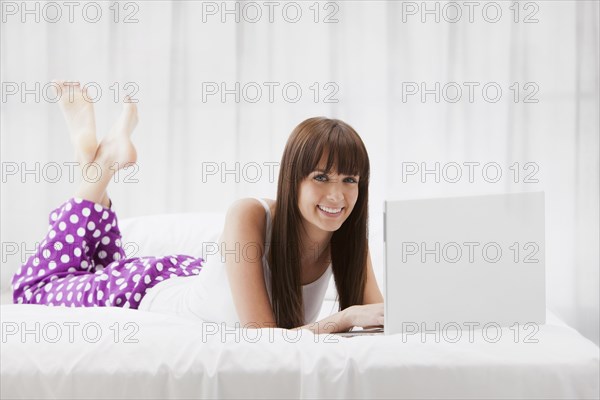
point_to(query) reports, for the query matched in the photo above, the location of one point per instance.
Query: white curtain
(360, 66)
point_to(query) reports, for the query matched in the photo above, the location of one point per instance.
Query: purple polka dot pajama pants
(81, 263)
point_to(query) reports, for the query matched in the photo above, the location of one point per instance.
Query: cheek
(306, 197)
(353, 197)
(308, 193)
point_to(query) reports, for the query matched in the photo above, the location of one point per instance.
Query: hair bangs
(343, 153)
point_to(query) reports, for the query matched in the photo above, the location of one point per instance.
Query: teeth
(330, 210)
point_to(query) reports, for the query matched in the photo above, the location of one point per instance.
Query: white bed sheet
(172, 359)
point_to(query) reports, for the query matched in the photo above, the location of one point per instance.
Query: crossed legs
(114, 152)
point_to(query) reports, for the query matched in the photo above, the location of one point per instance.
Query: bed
(59, 352)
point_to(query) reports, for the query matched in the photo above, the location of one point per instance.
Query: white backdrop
(364, 61)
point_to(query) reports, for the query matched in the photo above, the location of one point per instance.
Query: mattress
(85, 353)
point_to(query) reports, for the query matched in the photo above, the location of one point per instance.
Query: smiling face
(323, 186)
(325, 200)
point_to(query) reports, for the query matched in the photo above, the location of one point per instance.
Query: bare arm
(366, 316)
(244, 228)
(370, 314)
(338, 322)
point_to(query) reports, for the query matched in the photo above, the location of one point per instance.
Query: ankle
(104, 158)
(106, 203)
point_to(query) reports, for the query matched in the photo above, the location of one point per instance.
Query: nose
(335, 194)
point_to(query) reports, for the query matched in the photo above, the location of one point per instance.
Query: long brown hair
(346, 153)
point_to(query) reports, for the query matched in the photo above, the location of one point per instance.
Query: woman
(318, 224)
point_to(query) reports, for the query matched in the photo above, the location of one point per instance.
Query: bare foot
(116, 150)
(79, 113)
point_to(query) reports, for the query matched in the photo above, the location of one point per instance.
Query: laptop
(463, 263)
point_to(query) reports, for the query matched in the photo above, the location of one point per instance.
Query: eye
(352, 180)
(317, 177)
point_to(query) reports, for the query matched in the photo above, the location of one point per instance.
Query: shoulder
(248, 214)
(248, 204)
(249, 208)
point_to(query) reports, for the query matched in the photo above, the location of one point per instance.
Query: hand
(366, 316)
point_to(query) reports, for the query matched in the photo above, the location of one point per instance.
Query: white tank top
(207, 296)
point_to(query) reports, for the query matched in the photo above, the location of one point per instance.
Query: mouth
(330, 212)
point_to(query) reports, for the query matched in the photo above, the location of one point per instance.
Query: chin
(330, 225)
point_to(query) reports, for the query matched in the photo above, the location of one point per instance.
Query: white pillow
(192, 234)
